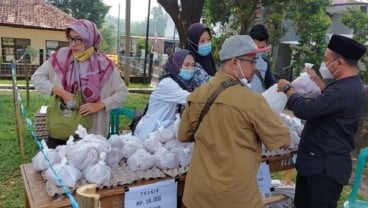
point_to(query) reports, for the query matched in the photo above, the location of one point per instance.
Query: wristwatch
(286, 87)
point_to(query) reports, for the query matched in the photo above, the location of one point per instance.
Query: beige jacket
(113, 94)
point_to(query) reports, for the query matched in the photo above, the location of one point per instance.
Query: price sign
(157, 195)
(264, 179)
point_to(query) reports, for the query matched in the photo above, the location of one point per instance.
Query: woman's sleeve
(168, 90)
(118, 92)
(41, 78)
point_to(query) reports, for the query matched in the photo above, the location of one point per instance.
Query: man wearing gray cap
(324, 163)
(227, 150)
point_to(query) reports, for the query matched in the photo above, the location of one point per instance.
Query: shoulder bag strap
(259, 75)
(225, 84)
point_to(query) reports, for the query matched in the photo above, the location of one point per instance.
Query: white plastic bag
(99, 173)
(131, 145)
(114, 157)
(165, 159)
(152, 144)
(276, 100)
(116, 141)
(305, 86)
(184, 155)
(141, 160)
(39, 162)
(67, 174)
(81, 155)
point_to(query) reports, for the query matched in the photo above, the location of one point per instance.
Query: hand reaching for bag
(314, 76)
(312, 73)
(90, 108)
(65, 95)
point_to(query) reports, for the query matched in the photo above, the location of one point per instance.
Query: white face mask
(325, 72)
(243, 80)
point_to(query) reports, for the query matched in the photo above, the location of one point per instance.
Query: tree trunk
(189, 13)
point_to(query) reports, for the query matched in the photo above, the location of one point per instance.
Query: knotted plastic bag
(114, 157)
(173, 143)
(39, 161)
(276, 100)
(116, 141)
(68, 174)
(131, 145)
(184, 155)
(141, 160)
(82, 155)
(165, 159)
(152, 144)
(163, 134)
(99, 173)
(305, 86)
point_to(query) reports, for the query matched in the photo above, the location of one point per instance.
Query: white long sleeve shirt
(163, 105)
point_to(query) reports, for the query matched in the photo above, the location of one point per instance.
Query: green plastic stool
(353, 202)
(115, 120)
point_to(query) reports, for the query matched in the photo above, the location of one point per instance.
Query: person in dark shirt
(264, 78)
(324, 163)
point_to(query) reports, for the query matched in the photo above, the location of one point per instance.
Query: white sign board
(157, 195)
(264, 179)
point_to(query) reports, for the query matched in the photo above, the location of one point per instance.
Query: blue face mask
(259, 55)
(186, 74)
(204, 49)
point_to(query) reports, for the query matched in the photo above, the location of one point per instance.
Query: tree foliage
(159, 20)
(93, 10)
(311, 23)
(357, 20)
(237, 17)
(183, 13)
(108, 39)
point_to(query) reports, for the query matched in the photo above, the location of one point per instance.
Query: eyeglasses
(76, 41)
(251, 61)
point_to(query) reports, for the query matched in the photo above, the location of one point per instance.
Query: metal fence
(21, 70)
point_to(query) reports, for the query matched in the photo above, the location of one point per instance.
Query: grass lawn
(11, 183)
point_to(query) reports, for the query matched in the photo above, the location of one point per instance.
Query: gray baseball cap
(239, 45)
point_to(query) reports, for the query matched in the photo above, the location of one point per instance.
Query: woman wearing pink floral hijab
(81, 64)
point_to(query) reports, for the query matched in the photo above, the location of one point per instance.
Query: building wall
(37, 38)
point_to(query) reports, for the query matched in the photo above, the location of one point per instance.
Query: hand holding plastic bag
(305, 86)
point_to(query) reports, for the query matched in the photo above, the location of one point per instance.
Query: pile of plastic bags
(119, 160)
(124, 159)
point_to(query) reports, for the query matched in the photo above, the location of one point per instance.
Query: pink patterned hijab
(93, 73)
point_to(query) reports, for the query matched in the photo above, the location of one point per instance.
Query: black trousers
(316, 191)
